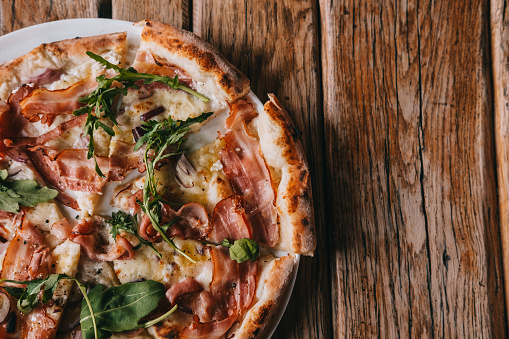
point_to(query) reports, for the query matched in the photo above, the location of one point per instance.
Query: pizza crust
(283, 152)
(274, 276)
(214, 76)
(67, 56)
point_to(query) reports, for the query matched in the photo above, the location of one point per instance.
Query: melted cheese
(66, 257)
(210, 184)
(171, 268)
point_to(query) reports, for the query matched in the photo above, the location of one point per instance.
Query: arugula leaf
(122, 221)
(120, 308)
(242, 249)
(99, 103)
(158, 138)
(22, 192)
(28, 297)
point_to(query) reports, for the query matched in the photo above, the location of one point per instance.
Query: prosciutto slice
(146, 63)
(249, 176)
(85, 234)
(11, 119)
(190, 222)
(44, 105)
(78, 173)
(233, 285)
(35, 141)
(229, 221)
(123, 159)
(69, 169)
(26, 257)
(215, 329)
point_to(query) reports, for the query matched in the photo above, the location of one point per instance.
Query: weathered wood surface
(396, 104)
(411, 169)
(500, 58)
(16, 14)
(175, 12)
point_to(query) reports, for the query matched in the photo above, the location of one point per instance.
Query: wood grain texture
(411, 169)
(16, 14)
(500, 65)
(275, 43)
(175, 12)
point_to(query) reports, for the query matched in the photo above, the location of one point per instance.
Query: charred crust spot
(305, 222)
(167, 332)
(148, 24)
(303, 175)
(263, 313)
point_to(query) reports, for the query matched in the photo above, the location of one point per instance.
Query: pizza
(145, 192)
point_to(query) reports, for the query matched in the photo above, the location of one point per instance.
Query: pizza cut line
(145, 198)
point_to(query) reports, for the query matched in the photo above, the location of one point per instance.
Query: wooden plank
(275, 43)
(500, 57)
(16, 14)
(175, 12)
(411, 171)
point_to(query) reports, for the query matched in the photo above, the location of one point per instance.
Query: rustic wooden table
(404, 112)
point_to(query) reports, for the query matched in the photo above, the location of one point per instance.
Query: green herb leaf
(244, 249)
(28, 297)
(22, 192)
(120, 308)
(122, 221)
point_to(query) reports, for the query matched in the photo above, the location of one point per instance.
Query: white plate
(20, 42)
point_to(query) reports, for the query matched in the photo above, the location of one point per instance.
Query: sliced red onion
(77, 335)
(138, 132)
(5, 307)
(184, 172)
(152, 113)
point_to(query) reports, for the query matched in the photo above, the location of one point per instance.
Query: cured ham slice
(11, 119)
(123, 160)
(231, 291)
(85, 234)
(43, 159)
(69, 169)
(35, 141)
(146, 63)
(233, 285)
(249, 176)
(26, 257)
(212, 330)
(43, 104)
(189, 222)
(229, 221)
(187, 286)
(78, 173)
